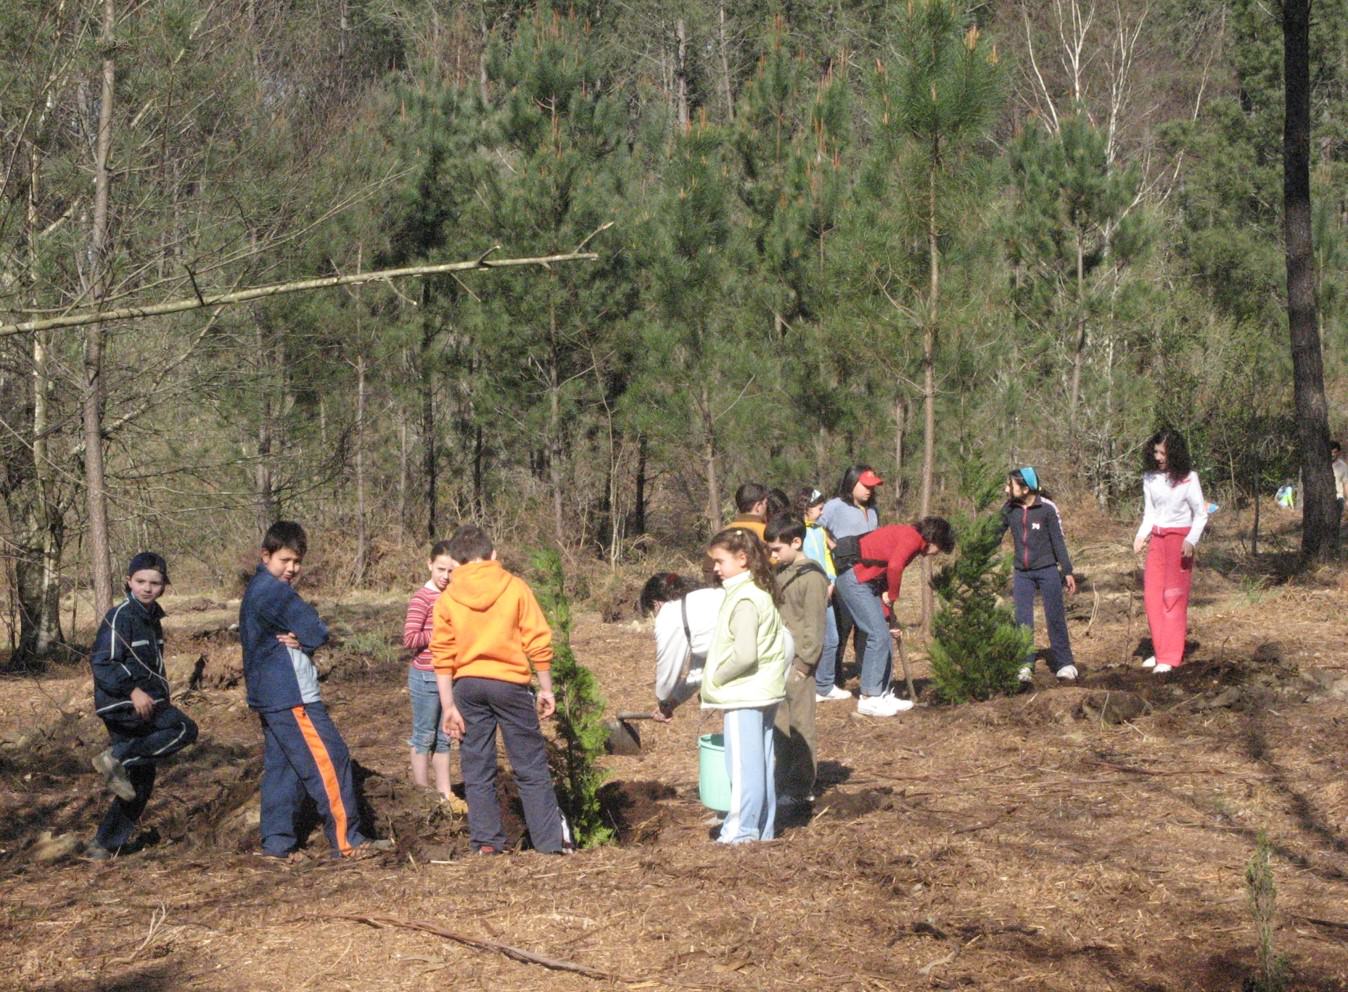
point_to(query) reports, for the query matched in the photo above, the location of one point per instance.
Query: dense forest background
(907, 234)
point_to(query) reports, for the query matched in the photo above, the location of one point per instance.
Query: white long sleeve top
(672, 644)
(1169, 505)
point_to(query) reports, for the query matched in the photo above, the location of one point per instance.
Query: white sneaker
(1160, 669)
(1067, 673)
(878, 706)
(1026, 674)
(1150, 662)
(837, 692)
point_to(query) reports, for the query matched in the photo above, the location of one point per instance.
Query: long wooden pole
(206, 301)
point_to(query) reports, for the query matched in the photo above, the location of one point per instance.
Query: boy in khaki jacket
(804, 589)
(488, 641)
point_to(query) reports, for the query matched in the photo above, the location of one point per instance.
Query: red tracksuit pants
(1165, 591)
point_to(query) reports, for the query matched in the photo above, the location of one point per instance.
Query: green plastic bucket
(713, 785)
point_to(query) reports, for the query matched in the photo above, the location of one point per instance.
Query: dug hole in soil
(1087, 836)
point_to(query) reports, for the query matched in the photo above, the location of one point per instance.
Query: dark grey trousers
(486, 704)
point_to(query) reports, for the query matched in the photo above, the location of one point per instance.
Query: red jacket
(896, 545)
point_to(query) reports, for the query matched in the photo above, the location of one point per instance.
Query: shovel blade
(622, 737)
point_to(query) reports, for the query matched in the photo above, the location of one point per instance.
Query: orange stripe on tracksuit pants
(304, 753)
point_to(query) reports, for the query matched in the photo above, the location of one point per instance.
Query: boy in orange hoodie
(489, 638)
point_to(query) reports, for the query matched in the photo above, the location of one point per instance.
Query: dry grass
(1029, 842)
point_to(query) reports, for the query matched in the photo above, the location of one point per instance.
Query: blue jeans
(1048, 582)
(427, 735)
(877, 658)
(826, 675)
(750, 764)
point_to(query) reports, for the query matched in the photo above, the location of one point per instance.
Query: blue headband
(1030, 477)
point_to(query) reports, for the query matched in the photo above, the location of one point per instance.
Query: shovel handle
(635, 716)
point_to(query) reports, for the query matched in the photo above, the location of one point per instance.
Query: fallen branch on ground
(514, 953)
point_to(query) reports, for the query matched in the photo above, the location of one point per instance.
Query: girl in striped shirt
(430, 746)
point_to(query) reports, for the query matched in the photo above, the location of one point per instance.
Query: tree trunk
(402, 476)
(1078, 347)
(479, 467)
(639, 510)
(1308, 377)
(709, 460)
(900, 429)
(95, 476)
(929, 371)
(726, 90)
(555, 425)
(264, 480)
(428, 459)
(681, 74)
(362, 534)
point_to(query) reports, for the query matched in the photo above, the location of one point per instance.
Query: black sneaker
(94, 851)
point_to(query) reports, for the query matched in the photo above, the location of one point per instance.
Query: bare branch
(86, 317)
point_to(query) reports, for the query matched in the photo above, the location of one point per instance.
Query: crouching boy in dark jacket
(131, 696)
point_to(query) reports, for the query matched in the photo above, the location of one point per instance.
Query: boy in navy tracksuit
(1042, 565)
(303, 750)
(131, 696)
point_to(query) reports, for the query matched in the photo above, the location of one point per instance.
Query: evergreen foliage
(580, 710)
(977, 646)
(1262, 890)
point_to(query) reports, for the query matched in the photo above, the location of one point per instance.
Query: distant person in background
(429, 743)
(850, 513)
(778, 503)
(1174, 514)
(131, 697)
(685, 616)
(1041, 566)
(751, 501)
(1340, 468)
(809, 505)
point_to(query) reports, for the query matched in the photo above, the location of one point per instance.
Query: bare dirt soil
(1092, 836)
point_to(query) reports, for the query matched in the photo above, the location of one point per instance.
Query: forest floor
(1092, 836)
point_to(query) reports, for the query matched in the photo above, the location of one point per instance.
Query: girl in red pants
(1173, 517)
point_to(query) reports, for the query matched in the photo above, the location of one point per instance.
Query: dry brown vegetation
(1085, 837)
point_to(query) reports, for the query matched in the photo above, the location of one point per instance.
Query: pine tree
(580, 710)
(977, 647)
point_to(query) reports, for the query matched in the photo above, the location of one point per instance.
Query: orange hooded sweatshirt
(488, 625)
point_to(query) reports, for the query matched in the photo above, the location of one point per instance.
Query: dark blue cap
(149, 559)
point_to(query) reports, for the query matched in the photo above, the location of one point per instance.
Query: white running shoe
(878, 706)
(903, 704)
(1150, 662)
(1160, 669)
(1067, 673)
(837, 692)
(1026, 674)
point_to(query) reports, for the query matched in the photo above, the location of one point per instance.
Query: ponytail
(739, 541)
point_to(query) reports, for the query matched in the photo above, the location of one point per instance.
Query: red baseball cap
(870, 479)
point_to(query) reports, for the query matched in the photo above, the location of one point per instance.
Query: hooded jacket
(804, 588)
(1036, 531)
(488, 625)
(278, 677)
(128, 654)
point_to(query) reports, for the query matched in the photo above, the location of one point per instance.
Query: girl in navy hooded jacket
(1042, 566)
